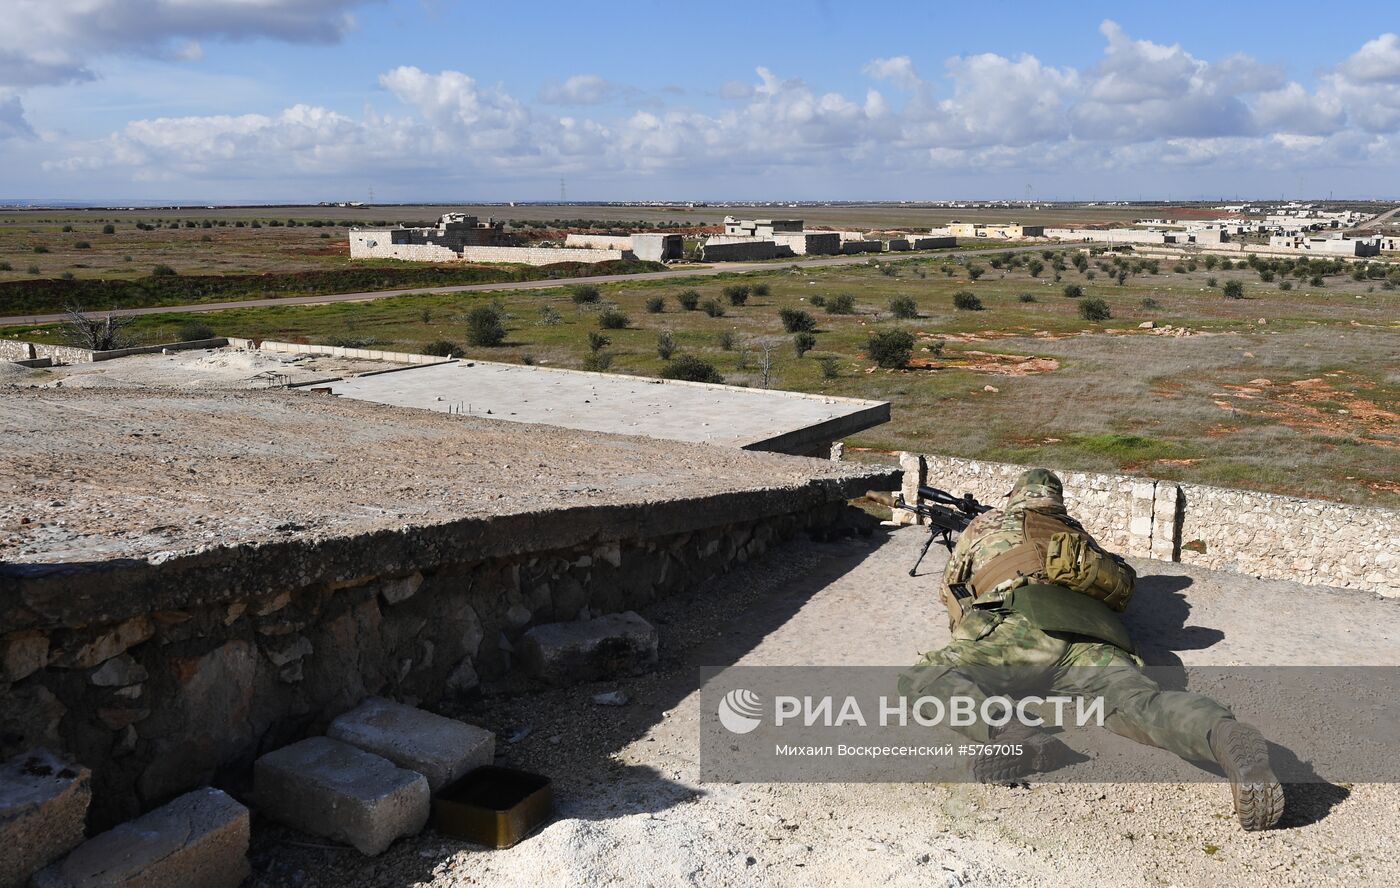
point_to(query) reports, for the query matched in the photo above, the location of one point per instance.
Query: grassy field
(1293, 391)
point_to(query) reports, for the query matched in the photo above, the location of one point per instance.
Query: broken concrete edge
(200, 838)
(822, 434)
(47, 596)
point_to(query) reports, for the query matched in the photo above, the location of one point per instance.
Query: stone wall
(17, 350)
(179, 674)
(376, 244)
(737, 249)
(541, 255)
(1265, 535)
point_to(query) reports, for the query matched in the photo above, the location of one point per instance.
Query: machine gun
(945, 514)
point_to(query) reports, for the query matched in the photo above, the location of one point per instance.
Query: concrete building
(788, 236)
(462, 238)
(810, 243)
(997, 231)
(649, 247)
(1351, 247)
(761, 227)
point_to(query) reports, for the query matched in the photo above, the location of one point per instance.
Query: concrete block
(201, 838)
(43, 801)
(567, 653)
(332, 789)
(441, 749)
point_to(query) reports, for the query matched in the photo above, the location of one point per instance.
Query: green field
(1292, 391)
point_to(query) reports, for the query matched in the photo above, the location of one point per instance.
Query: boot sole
(1257, 794)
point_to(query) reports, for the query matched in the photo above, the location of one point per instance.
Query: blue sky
(304, 100)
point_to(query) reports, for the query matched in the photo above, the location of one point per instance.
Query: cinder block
(201, 838)
(566, 653)
(441, 749)
(43, 800)
(332, 789)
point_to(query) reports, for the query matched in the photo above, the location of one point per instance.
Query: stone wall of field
(18, 350)
(162, 677)
(1265, 535)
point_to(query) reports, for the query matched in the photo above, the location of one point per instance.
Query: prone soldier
(1033, 601)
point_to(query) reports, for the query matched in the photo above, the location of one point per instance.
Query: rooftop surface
(105, 473)
(631, 807)
(631, 405)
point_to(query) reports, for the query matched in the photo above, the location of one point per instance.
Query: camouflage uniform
(1025, 636)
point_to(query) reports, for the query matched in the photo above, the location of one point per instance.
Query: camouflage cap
(1038, 489)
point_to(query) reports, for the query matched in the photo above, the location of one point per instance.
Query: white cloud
(582, 89)
(12, 122)
(1377, 61)
(1143, 106)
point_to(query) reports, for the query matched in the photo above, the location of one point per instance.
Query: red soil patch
(1294, 404)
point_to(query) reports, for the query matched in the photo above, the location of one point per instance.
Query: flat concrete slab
(756, 419)
(441, 749)
(587, 650)
(43, 802)
(332, 789)
(201, 838)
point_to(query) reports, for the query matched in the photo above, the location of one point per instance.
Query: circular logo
(740, 711)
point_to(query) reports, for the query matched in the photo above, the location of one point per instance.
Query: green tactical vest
(1058, 609)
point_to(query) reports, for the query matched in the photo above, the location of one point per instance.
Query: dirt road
(327, 298)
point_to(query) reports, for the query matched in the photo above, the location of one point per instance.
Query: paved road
(327, 298)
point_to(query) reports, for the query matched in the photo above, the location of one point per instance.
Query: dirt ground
(631, 809)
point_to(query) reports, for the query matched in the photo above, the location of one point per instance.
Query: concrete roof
(754, 419)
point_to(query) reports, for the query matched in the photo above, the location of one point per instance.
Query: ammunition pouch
(1058, 552)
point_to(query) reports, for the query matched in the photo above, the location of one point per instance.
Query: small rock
(990, 388)
(1147, 325)
(612, 698)
(520, 733)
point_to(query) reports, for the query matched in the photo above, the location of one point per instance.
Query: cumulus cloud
(1141, 105)
(12, 122)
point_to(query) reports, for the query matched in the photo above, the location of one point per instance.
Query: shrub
(484, 327)
(1122, 277)
(965, 301)
(817, 301)
(1316, 281)
(68, 276)
(1094, 310)
(6, 266)
(1286, 285)
(584, 294)
(726, 340)
(443, 348)
(795, 320)
(597, 361)
(1266, 275)
(67, 228)
(549, 316)
(33, 269)
(1027, 297)
(41, 249)
(597, 341)
(688, 299)
(691, 369)
(760, 290)
(888, 270)
(831, 366)
(109, 229)
(974, 272)
(1149, 303)
(737, 294)
(656, 305)
(665, 345)
(162, 271)
(803, 343)
(890, 348)
(1073, 291)
(190, 331)
(82, 245)
(843, 304)
(1234, 290)
(904, 307)
(1035, 267)
(1212, 282)
(612, 319)
(712, 308)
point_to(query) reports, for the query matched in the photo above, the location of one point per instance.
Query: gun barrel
(882, 497)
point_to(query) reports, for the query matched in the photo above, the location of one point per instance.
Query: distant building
(998, 231)
(462, 238)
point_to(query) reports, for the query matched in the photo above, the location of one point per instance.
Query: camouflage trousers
(999, 652)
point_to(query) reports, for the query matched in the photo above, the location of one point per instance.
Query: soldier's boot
(1038, 751)
(1243, 754)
